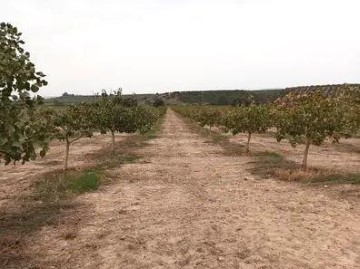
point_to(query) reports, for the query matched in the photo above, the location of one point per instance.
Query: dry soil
(185, 204)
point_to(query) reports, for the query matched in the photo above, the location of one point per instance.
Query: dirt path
(186, 205)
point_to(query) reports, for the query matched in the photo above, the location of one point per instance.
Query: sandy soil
(15, 179)
(343, 156)
(187, 205)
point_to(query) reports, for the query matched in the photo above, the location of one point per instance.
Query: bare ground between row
(187, 205)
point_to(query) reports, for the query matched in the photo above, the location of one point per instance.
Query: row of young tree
(109, 114)
(305, 116)
(27, 128)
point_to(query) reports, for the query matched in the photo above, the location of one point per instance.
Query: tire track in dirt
(187, 205)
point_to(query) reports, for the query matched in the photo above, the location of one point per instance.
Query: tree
(158, 102)
(309, 116)
(115, 114)
(349, 95)
(248, 119)
(71, 125)
(19, 135)
(208, 116)
(145, 117)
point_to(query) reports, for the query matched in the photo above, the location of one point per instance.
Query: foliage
(248, 119)
(209, 117)
(349, 97)
(311, 115)
(87, 181)
(158, 102)
(19, 131)
(204, 115)
(72, 124)
(308, 115)
(115, 114)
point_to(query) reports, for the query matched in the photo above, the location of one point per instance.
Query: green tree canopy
(72, 124)
(309, 116)
(248, 119)
(19, 134)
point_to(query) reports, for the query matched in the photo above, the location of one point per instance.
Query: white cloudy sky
(163, 45)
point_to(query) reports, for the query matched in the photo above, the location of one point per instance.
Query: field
(185, 197)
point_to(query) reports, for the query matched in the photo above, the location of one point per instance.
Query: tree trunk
(112, 142)
(248, 143)
(306, 153)
(66, 154)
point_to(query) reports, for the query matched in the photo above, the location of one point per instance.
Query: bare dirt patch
(187, 205)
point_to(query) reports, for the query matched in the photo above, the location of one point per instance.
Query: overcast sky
(165, 45)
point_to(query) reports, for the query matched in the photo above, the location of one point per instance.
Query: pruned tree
(208, 116)
(349, 96)
(145, 117)
(117, 115)
(158, 102)
(20, 134)
(72, 124)
(248, 119)
(311, 117)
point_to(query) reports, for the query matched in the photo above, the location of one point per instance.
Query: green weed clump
(337, 178)
(85, 182)
(57, 186)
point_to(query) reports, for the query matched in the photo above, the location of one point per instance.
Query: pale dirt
(187, 205)
(16, 179)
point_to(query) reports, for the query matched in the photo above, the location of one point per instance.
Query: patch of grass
(116, 160)
(272, 164)
(85, 182)
(337, 178)
(58, 186)
(268, 164)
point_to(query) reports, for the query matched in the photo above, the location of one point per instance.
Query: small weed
(85, 182)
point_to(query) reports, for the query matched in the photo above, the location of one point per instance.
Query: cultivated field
(185, 202)
(336, 157)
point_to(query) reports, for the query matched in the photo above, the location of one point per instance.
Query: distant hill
(215, 97)
(75, 99)
(227, 97)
